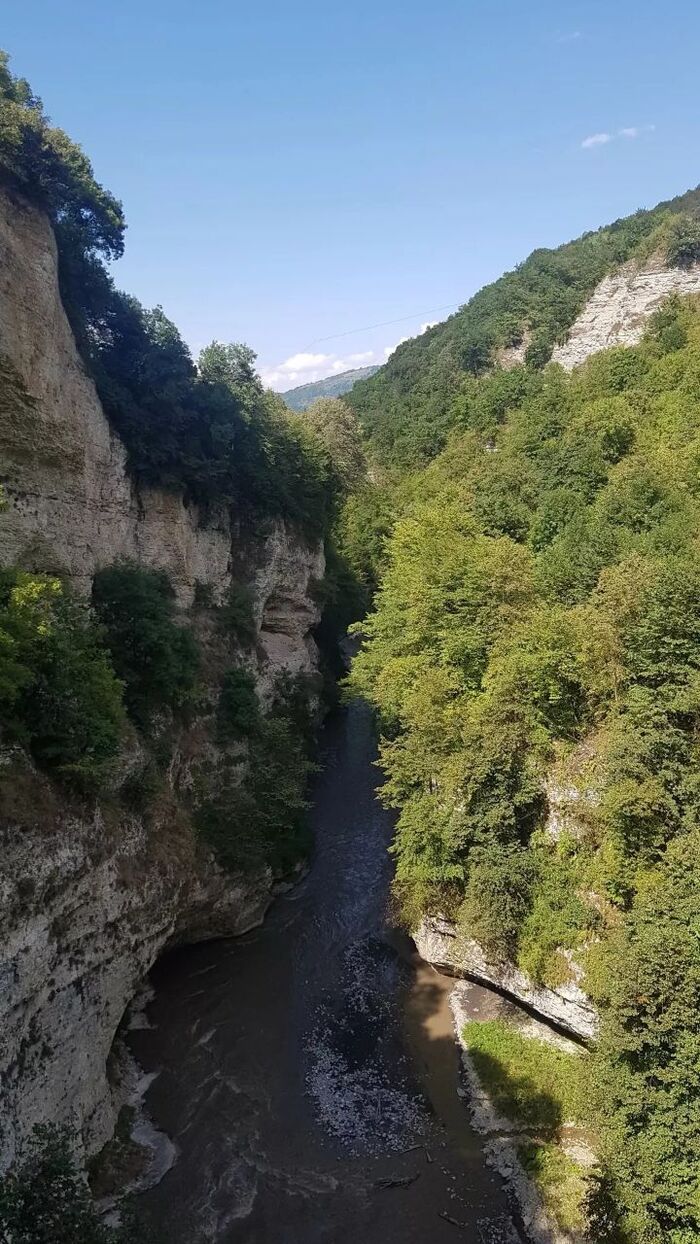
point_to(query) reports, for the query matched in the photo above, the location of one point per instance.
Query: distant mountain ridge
(331, 386)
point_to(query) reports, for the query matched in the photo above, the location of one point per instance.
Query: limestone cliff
(90, 894)
(618, 310)
(439, 942)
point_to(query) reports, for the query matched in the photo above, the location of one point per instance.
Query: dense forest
(536, 627)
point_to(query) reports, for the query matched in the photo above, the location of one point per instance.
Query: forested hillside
(407, 408)
(537, 628)
(332, 386)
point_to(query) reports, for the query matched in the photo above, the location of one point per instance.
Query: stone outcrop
(90, 894)
(617, 312)
(567, 1006)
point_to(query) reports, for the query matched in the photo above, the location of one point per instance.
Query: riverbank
(525, 1089)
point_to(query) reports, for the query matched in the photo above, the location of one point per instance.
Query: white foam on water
(358, 1107)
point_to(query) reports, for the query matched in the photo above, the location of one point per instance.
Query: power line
(384, 324)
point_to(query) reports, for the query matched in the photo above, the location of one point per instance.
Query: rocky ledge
(567, 1006)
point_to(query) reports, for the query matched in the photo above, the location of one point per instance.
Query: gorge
(510, 507)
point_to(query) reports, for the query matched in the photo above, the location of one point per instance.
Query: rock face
(89, 894)
(567, 1006)
(88, 902)
(619, 308)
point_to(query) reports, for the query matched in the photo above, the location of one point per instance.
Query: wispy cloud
(630, 132)
(569, 37)
(597, 140)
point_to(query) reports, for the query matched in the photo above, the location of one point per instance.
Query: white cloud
(635, 131)
(302, 362)
(428, 324)
(305, 368)
(597, 140)
(630, 132)
(571, 37)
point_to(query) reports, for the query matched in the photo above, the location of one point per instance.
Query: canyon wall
(90, 894)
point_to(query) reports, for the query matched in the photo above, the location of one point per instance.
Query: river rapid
(307, 1073)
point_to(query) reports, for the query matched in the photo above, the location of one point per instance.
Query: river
(307, 1072)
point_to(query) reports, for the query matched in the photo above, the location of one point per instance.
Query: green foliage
(336, 428)
(497, 898)
(203, 597)
(45, 1200)
(647, 1064)
(529, 1082)
(684, 242)
(58, 692)
(538, 614)
(238, 710)
(364, 522)
(410, 406)
(54, 172)
(562, 1184)
(256, 818)
(235, 615)
(156, 658)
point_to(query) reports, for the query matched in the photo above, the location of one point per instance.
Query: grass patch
(560, 1181)
(528, 1081)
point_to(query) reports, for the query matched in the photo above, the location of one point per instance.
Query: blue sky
(295, 172)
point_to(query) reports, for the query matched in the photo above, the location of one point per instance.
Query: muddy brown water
(307, 1072)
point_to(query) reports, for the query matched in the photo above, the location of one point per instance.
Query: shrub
(236, 616)
(203, 597)
(561, 1182)
(45, 1199)
(156, 658)
(58, 691)
(498, 897)
(684, 242)
(238, 711)
(258, 820)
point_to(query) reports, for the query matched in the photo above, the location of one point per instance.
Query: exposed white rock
(439, 943)
(617, 312)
